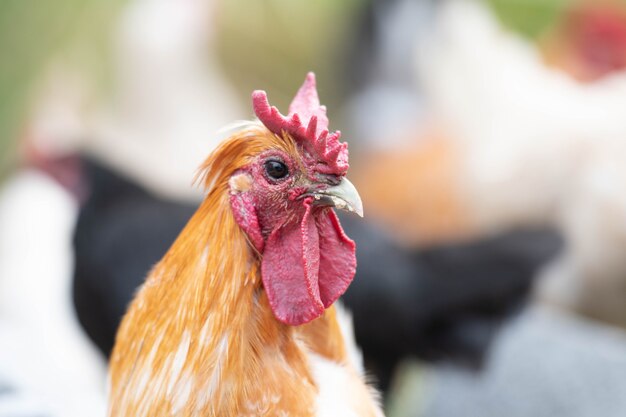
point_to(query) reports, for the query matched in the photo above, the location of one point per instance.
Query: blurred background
(487, 139)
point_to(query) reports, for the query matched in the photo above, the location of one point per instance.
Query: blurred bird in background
(518, 134)
(501, 112)
(504, 117)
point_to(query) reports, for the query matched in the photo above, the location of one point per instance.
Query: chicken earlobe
(245, 216)
(306, 267)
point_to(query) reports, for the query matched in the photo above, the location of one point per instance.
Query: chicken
(484, 161)
(238, 317)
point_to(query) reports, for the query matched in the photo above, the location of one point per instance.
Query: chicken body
(226, 323)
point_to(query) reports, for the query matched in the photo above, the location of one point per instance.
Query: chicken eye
(276, 169)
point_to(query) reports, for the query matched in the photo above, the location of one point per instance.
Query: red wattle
(289, 271)
(337, 258)
(307, 267)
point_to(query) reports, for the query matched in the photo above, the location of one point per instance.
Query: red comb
(308, 124)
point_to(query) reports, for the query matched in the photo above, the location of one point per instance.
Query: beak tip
(359, 211)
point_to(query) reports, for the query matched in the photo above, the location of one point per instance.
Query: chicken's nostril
(329, 179)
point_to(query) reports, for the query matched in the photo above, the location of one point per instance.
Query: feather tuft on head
(307, 123)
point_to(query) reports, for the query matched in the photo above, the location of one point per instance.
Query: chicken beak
(343, 196)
